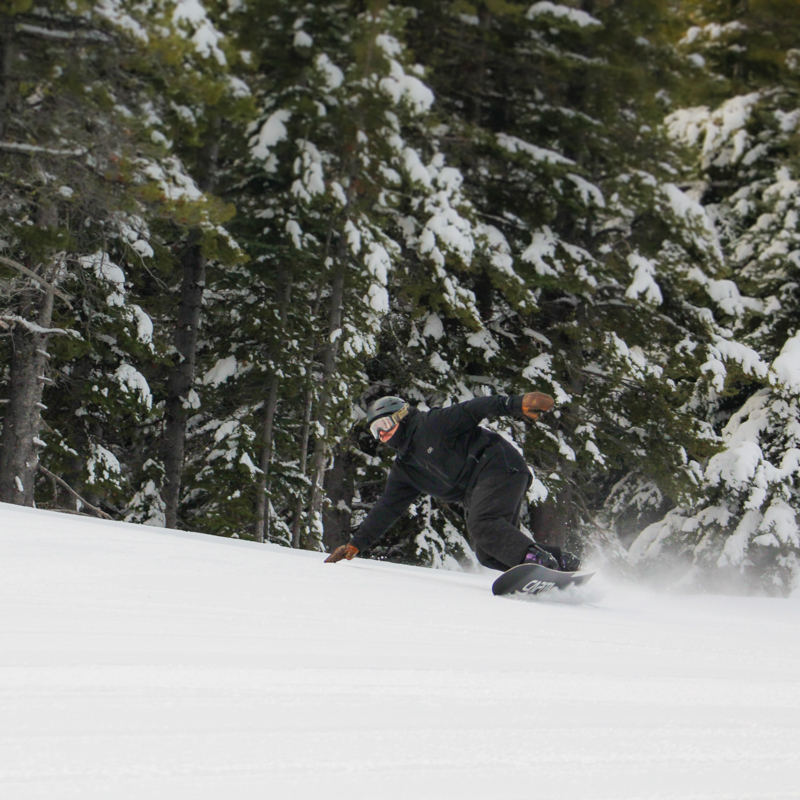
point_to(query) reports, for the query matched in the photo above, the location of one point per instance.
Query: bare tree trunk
(262, 523)
(308, 406)
(328, 369)
(6, 32)
(351, 166)
(182, 373)
(19, 456)
(261, 526)
(340, 489)
(305, 435)
(181, 377)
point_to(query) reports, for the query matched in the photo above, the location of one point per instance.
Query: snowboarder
(445, 453)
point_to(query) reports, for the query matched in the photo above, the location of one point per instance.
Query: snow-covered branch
(62, 35)
(34, 328)
(33, 276)
(33, 149)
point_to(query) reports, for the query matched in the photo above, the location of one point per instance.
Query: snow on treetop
(785, 370)
(334, 77)
(724, 133)
(101, 464)
(780, 520)
(224, 368)
(134, 230)
(111, 10)
(175, 183)
(736, 465)
(590, 194)
(516, 145)
(302, 39)
(272, 131)
(401, 86)
(389, 44)
(434, 327)
(543, 245)
(500, 250)
(701, 229)
(729, 350)
(238, 88)
(415, 168)
(206, 37)
(144, 325)
(788, 120)
(483, 340)
(103, 267)
(574, 15)
(378, 262)
(712, 31)
(191, 11)
(541, 366)
(130, 379)
(308, 165)
(643, 280)
(726, 294)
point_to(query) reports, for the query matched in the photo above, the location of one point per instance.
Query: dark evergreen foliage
(226, 227)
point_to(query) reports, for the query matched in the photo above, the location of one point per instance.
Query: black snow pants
(493, 509)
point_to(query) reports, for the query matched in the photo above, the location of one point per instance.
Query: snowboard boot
(567, 562)
(538, 555)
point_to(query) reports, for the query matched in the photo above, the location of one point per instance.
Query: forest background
(227, 227)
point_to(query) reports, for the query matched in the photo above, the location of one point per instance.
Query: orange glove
(534, 403)
(347, 551)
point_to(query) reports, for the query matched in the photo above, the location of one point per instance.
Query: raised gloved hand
(347, 551)
(534, 403)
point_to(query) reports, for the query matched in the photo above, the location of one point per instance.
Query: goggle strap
(401, 414)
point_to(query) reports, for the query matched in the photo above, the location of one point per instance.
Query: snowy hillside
(141, 663)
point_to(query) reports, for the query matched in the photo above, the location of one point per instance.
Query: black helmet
(392, 409)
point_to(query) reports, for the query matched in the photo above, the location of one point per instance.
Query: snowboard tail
(533, 579)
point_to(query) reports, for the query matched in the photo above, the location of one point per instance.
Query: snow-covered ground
(140, 663)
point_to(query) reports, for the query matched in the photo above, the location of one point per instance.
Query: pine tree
(345, 185)
(64, 143)
(594, 286)
(96, 195)
(744, 137)
(209, 103)
(500, 285)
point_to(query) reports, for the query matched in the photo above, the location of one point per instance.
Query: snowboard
(533, 579)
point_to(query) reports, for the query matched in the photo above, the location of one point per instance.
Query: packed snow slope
(143, 663)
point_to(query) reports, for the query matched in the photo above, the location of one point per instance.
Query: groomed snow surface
(138, 663)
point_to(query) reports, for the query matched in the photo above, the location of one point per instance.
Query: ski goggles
(387, 423)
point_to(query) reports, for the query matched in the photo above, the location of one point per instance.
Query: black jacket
(441, 453)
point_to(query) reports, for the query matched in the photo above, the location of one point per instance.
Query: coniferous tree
(345, 183)
(436, 200)
(207, 99)
(95, 197)
(744, 139)
(66, 146)
(594, 287)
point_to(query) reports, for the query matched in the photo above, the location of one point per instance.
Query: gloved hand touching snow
(347, 551)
